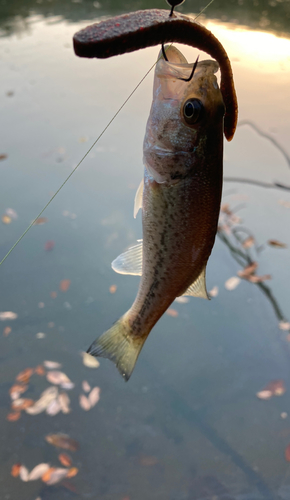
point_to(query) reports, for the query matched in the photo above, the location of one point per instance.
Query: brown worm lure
(146, 28)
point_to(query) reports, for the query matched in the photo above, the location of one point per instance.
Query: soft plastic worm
(145, 28)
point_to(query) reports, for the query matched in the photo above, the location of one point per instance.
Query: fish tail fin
(120, 346)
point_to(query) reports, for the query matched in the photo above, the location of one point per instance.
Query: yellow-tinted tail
(120, 346)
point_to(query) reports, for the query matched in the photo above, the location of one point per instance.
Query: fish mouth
(177, 66)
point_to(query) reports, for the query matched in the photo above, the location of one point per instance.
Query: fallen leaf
(274, 388)
(113, 288)
(86, 386)
(264, 394)
(49, 245)
(40, 221)
(17, 389)
(259, 279)
(40, 335)
(56, 476)
(84, 402)
(46, 476)
(25, 375)
(6, 331)
(44, 401)
(72, 472)
(64, 285)
(23, 473)
(287, 453)
(38, 472)
(39, 370)
(67, 385)
(65, 459)
(232, 283)
(277, 244)
(11, 213)
(284, 325)
(284, 203)
(21, 404)
(148, 461)
(53, 408)
(62, 441)
(51, 365)
(214, 291)
(6, 219)
(182, 300)
(248, 242)
(172, 312)
(225, 208)
(64, 402)
(53, 295)
(248, 270)
(94, 396)
(15, 470)
(3, 157)
(7, 315)
(13, 416)
(57, 377)
(90, 361)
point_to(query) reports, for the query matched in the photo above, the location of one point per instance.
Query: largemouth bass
(180, 198)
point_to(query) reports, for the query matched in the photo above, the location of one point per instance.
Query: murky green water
(188, 425)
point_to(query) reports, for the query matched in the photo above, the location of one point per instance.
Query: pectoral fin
(129, 262)
(138, 198)
(198, 287)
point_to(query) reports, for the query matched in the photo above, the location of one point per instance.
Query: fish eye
(192, 111)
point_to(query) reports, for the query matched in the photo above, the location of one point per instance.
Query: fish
(180, 197)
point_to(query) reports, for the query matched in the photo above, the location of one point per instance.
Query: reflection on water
(188, 425)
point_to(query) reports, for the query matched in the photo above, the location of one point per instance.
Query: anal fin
(198, 287)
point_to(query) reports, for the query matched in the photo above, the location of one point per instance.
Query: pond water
(188, 425)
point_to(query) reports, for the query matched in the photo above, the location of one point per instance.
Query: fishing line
(89, 150)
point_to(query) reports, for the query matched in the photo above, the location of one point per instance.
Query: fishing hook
(173, 4)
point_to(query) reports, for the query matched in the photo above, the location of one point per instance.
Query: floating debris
(11, 213)
(53, 295)
(248, 270)
(7, 315)
(113, 288)
(72, 472)
(25, 375)
(64, 402)
(232, 283)
(53, 408)
(148, 461)
(90, 361)
(56, 475)
(41, 305)
(13, 416)
(3, 157)
(64, 285)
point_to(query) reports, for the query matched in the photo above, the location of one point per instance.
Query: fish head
(186, 117)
